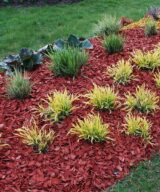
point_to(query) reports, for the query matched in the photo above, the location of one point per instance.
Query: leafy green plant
(149, 60)
(67, 62)
(59, 105)
(104, 98)
(121, 72)
(138, 126)
(143, 100)
(91, 128)
(157, 79)
(107, 25)
(150, 28)
(39, 139)
(25, 60)
(18, 86)
(113, 43)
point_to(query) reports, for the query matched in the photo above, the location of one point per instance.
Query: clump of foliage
(104, 98)
(107, 25)
(143, 100)
(1, 143)
(150, 28)
(18, 86)
(157, 79)
(59, 105)
(39, 139)
(154, 12)
(25, 60)
(113, 43)
(91, 128)
(138, 126)
(149, 60)
(67, 62)
(121, 72)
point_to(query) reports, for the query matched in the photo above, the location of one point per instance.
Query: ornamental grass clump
(59, 105)
(18, 86)
(113, 43)
(104, 98)
(32, 135)
(138, 126)
(121, 72)
(150, 28)
(157, 79)
(142, 100)
(91, 128)
(67, 62)
(107, 25)
(149, 60)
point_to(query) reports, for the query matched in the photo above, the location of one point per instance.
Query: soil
(70, 165)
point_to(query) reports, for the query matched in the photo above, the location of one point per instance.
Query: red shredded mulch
(70, 165)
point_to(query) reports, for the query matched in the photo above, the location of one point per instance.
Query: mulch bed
(70, 165)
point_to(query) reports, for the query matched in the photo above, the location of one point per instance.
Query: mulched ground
(70, 165)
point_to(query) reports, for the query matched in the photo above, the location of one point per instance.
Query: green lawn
(145, 178)
(37, 26)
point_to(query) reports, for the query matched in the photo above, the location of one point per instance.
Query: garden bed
(70, 165)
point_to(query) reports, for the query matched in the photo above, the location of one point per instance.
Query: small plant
(91, 128)
(39, 139)
(138, 126)
(59, 105)
(150, 28)
(106, 26)
(157, 79)
(113, 44)
(149, 60)
(122, 72)
(18, 86)
(104, 98)
(143, 100)
(67, 62)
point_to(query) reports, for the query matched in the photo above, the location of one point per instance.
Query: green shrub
(106, 26)
(113, 44)
(138, 126)
(67, 62)
(149, 60)
(143, 100)
(157, 79)
(150, 28)
(59, 105)
(104, 98)
(18, 86)
(39, 139)
(122, 72)
(91, 128)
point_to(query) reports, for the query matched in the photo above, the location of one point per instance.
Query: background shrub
(143, 100)
(113, 44)
(67, 62)
(138, 126)
(121, 72)
(18, 86)
(91, 128)
(150, 28)
(104, 98)
(106, 26)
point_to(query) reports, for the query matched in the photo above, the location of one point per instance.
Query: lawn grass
(144, 178)
(34, 27)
